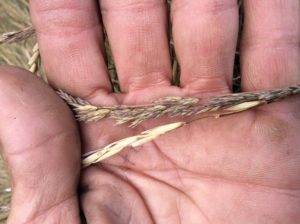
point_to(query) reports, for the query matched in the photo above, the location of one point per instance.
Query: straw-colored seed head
(244, 106)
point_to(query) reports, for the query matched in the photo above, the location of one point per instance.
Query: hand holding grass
(238, 169)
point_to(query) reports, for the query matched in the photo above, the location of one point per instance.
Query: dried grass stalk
(15, 36)
(4, 212)
(172, 106)
(33, 61)
(133, 141)
(176, 106)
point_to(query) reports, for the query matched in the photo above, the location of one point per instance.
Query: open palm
(236, 169)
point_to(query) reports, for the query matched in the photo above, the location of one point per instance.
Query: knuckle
(271, 40)
(147, 80)
(198, 84)
(130, 5)
(208, 6)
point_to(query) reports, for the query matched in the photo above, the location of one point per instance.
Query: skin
(237, 169)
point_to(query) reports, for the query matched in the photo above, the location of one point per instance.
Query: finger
(270, 55)
(71, 44)
(205, 34)
(41, 146)
(137, 31)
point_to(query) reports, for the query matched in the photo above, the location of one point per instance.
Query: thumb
(40, 144)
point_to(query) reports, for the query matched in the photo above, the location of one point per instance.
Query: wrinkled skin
(237, 169)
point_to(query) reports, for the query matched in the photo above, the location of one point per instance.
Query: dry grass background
(4, 195)
(14, 15)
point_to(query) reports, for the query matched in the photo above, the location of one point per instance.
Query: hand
(237, 169)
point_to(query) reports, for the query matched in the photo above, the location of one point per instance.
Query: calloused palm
(236, 169)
